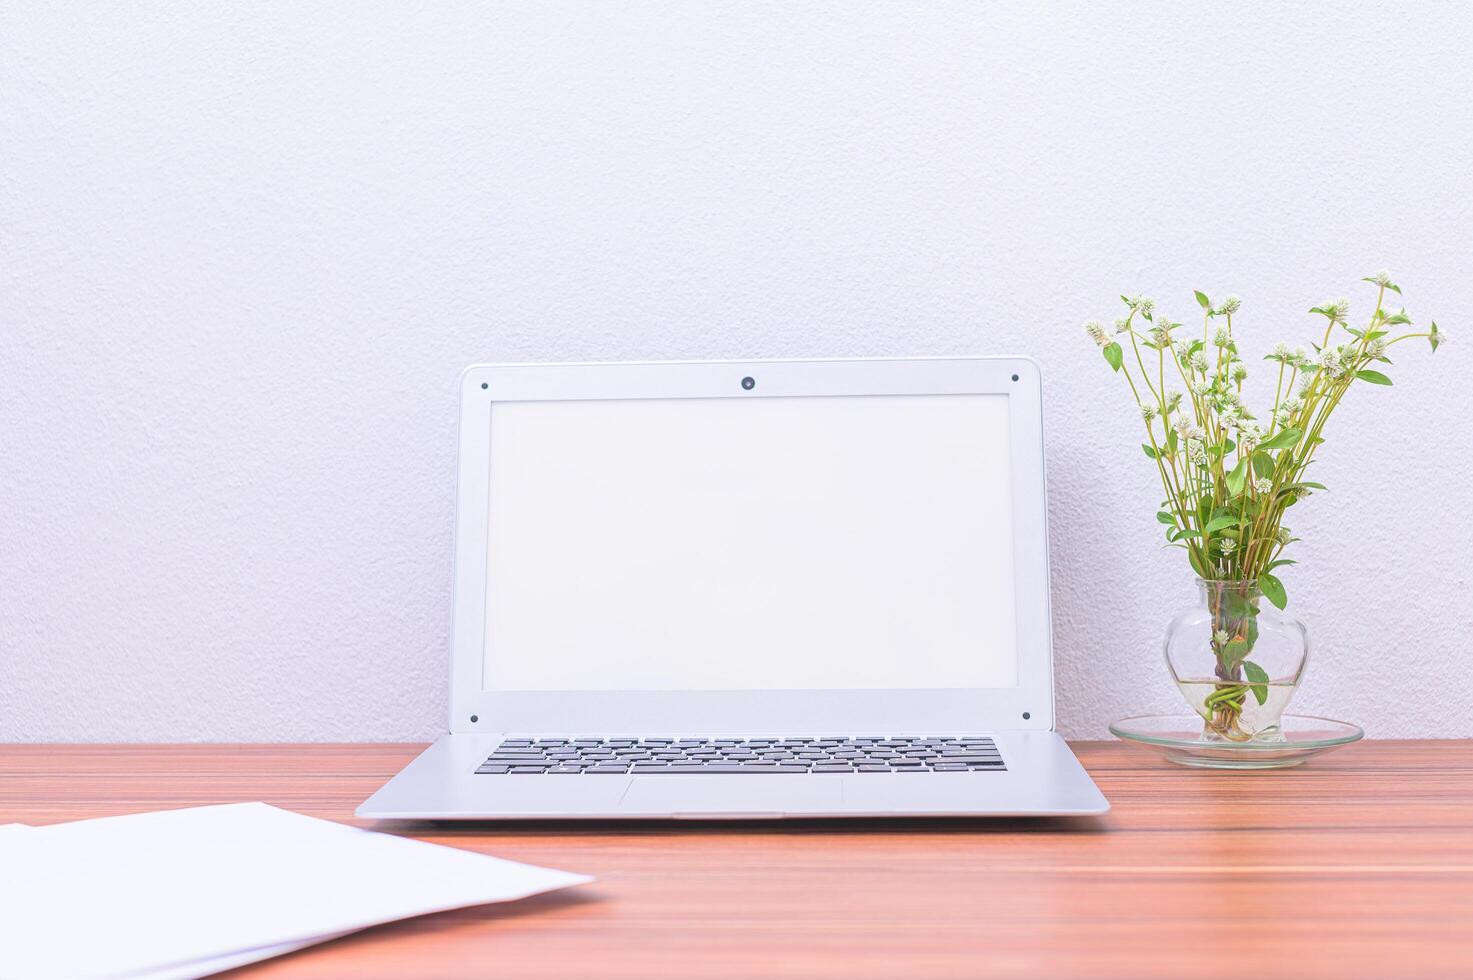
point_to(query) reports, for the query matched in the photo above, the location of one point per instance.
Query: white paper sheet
(197, 968)
(185, 893)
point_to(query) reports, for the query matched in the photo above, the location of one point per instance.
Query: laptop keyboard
(619, 756)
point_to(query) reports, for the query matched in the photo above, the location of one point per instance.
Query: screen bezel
(754, 710)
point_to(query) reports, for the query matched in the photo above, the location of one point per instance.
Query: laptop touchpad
(732, 794)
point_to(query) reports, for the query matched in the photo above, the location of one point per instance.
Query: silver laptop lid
(742, 546)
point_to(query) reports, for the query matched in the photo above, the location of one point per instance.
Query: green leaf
(1218, 523)
(1114, 355)
(1234, 651)
(1273, 589)
(1237, 477)
(1374, 377)
(1149, 451)
(1165, 518)
(1390, 285)
(1280, 561)
(1198, 565)
(1259, 678)
(1285, 439)
(1434, 337)
(1202, 300)
(1238, 606)
(1186, 533)
(1263, 464)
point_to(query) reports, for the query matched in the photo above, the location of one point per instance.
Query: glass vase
(1237, 659)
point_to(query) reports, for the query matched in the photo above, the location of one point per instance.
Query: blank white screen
(750, 544)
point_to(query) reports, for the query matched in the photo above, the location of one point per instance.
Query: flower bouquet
(1230, 477)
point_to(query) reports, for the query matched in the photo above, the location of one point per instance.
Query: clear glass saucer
(1179, 738)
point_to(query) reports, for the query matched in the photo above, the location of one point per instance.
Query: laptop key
(871, 767)
(512, 759)
(608, 770)
(492, 769)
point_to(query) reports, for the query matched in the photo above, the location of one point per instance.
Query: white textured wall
(247, 248)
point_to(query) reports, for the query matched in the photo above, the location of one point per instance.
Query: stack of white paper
(186, 893)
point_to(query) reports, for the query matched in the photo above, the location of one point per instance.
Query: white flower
(1148, 411)
(1221, 637)
(1301, 356)
(1330, 358)
(1226, 545)
(1096, 331)
(1199, 361)
(1282, 535)
(1335, 310)
(1221, 337)
(1281, 351)
(1121, 325)
(1173, 401)
(1159, 335)
(1183, 348)
(1196, 452)
(1382, 278)
(1281, 417)
(1201, 386)
(1263, 484)
(1186, 429)
(1304, 386)
(1230, 305)
(1294, 404)
(1377, 347)
(1250, 434)
(1145, 305)
(1240, 371)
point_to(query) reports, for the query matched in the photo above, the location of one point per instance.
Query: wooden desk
(1358, 864)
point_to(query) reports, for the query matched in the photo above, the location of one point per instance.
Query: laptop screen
(762, 543)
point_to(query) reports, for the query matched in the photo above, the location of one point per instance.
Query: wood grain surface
(1359, 864)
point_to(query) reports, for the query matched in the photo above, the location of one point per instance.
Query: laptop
(749, 589)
